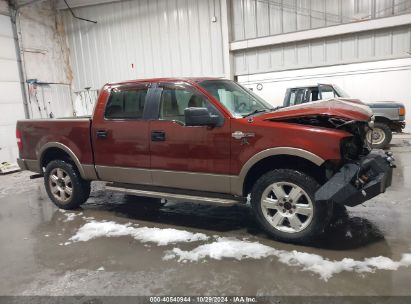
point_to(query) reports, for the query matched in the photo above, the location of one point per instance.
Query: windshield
(340, 92)
(238, 100)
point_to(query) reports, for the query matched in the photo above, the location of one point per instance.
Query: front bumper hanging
(356, 183)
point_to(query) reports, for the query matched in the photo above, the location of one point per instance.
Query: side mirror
(200, 117)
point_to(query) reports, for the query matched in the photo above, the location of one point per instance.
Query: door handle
(102, 134)
(158, 136)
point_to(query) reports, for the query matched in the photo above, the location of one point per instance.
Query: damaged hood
(347, 109)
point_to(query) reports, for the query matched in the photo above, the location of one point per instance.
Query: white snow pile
(232, 248)
(223, 248)
(159, 236)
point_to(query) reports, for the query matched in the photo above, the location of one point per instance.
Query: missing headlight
(350, 148)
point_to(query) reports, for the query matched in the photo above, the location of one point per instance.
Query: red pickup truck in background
(208, 140)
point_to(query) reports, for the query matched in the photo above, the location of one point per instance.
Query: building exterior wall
(144, 38)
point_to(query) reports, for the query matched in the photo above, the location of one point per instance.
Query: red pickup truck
(212, 141)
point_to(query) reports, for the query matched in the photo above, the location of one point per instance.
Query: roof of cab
(165, 79)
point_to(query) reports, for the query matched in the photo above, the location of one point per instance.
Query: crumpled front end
(357, 182)
(348, 109)
(361, 173)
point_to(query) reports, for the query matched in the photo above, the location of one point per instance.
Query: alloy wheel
(287, 207)
(60, 185)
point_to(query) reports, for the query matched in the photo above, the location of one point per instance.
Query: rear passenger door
(120, 136)
(190, 157)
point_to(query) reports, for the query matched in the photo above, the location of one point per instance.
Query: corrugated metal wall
(359, 47)
(11, 98)
(144, 38)
(259, 18)
(50, 101)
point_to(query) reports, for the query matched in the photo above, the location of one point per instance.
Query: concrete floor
(35, 261)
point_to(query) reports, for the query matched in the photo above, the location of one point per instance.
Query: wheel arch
(278, 158)
(58, 151)
(383, 119)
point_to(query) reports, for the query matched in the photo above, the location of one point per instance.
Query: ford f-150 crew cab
(211, 141)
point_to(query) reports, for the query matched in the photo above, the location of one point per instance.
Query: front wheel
(64, 185)
(380, 136)
(284, 205)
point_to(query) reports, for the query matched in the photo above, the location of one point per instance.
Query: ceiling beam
(354, 27)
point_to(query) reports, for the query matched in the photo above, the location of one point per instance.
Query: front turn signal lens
(401, 111)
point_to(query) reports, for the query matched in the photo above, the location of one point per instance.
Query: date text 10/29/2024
(201, 299)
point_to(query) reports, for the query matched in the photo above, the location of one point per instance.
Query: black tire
(80, 188)
(339, 213)
(320, 212)
(385, 131)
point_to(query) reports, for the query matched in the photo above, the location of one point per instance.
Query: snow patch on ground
(232, 248)
(159, 236)
(70, 216)
(325, 268)
(223, 248)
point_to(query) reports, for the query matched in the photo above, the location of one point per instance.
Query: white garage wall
(11, 99)
(46, 58)
(389, 43)
(260, 18)
(144, 38)
(373, 81)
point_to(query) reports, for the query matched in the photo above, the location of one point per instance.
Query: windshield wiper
(255, 112)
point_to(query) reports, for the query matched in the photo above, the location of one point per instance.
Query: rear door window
(126, 103)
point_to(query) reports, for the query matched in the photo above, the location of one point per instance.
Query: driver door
(190, 157)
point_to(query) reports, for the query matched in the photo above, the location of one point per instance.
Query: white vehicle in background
(389, 115)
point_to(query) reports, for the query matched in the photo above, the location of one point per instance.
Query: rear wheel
(284, 205)
(64, 185)
(380, 136)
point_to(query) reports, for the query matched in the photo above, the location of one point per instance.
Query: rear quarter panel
(73, 133)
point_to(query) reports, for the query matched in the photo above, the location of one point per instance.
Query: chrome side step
(209, 200)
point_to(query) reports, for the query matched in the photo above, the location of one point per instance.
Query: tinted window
(314, 96)
(297, 97)
(174, 100)
(126, 103)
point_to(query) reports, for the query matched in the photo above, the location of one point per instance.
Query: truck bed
(74, 133)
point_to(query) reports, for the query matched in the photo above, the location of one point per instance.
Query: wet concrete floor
(35, 261)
